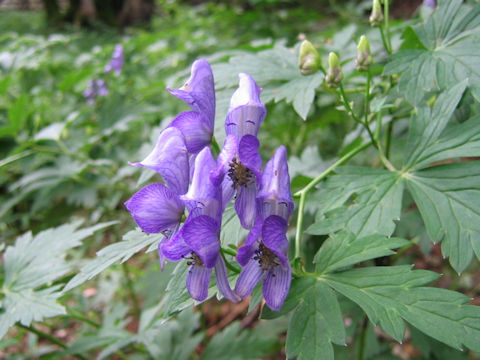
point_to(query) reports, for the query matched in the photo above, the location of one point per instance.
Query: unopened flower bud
(364, 56)
(376, 17)
(309, 60)
(334, 72)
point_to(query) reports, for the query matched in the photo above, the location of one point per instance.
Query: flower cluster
(196, 182)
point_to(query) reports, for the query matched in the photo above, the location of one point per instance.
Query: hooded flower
(239, 163)
(95, 88)
(264, 255)
(198, 240)
(158, 208)
(116, 64)
(199, 93)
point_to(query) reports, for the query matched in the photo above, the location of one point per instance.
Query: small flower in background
(116, 64)
(239, 162)
(95, 88)
(199, 93)
(198, 240)
(430, 3)
(264, 255)
(376, 16)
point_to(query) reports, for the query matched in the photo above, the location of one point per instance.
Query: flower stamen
(239, 174)
(266, 258)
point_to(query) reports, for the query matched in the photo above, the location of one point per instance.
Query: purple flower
(199, 93)
(239, 163)
(95, 88)
(158, 208)
(198, 240)
(264, 255)
(430, 3)
(116, 64)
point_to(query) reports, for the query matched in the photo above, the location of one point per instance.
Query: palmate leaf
(448, 198)
(390, 295)
(34, 262)
(315, 324)
(440, 53)
(276, 71)
(133, 242)
(378, 202)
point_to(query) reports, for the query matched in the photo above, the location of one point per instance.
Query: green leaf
(392, 294)
(276, 71)
(344, 249)
(462, 140)
(316, 323)
(450, 37)
(428, 124)
(35, 262)
(448, 199)
(378, 202)
(132, 242)
(233, 343)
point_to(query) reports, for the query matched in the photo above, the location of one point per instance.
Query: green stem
(347, 105)
(367, 96)
(229, 266)
(388, 138)
(361, 339)
(387, 24)
(48, 337)
(76, 315)
(229, 252)
(215, 146)
(384, 41)
(133, 295)
(303, 195)
(15, 157)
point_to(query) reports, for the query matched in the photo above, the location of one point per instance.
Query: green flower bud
(309, 60)
(334, 73)
(364, 56)
(376, 17)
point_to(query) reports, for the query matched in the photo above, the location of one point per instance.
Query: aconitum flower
(198, 240)
(95, 88)
(264, 255)
(239, 162)
(116, 64)
(158, 208)
(199, 93)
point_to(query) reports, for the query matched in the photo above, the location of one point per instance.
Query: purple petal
(222, 281)
(248, 279)
(274, 236)
(275, 186)
(229, 150)
(246, 204)
(199, 90)
(249, 155)
(170, 159)
(246, 111)
(155, 208)
(175, 249)
(245, 253)
(227, 191)
(202, 192)
(276, 286)
(198, 279)
(195, 128)
(201, 235)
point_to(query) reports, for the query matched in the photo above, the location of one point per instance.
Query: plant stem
(367, 96)
(347, 105)
(48, 337)
(363, 332)
(15, 157)
(133, 296)
(387, 24)
(76, 315)
(384, 41)
(388, 138)
(303, 193)
(229, 252)
(229, 266)
(215, 146)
